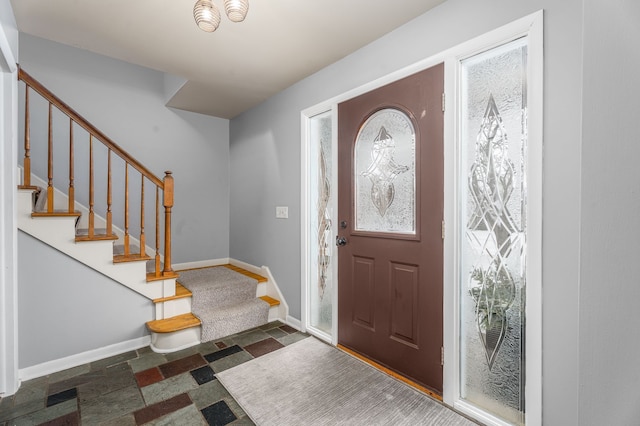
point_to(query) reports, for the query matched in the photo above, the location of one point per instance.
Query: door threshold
(391, 373)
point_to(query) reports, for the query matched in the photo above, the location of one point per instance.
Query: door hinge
(441, 355)
(443, 102)
(443, 229)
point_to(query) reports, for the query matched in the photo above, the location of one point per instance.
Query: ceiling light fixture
(207, 15)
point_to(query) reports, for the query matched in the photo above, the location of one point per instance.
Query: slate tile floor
(143, 387)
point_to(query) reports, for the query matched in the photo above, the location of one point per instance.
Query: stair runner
(224, 300)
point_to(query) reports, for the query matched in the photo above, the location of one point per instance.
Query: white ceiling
(238, 66)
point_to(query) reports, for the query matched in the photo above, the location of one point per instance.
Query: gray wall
(126, 102)
(610, 228)
(265, 165)
(66, 308)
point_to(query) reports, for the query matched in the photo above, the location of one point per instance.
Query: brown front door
(390, 211)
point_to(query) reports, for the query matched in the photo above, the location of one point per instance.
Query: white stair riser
(274, 313)
(171, 308)
(171, 342)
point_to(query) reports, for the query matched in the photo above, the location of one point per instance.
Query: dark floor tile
(221, 345)
(71, 419)
(218, 414)
(203, 375)
(149, 377)
(55, 387)
(183, 365)
(63, 396)
(288, 329)
(263, 347)
(223, 353)
(162, 408)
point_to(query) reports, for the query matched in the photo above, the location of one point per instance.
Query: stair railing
(166, 184)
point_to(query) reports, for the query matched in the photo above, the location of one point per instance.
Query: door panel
(364, 292)
(404, 303)
(390, 208)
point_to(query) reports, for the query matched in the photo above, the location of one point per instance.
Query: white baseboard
(200, 264)
(294, 322)
(71, 361)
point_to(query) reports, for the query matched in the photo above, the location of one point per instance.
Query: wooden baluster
(72, 201)
(50, 162)
(168, 204)
(26, 171)
(91, 194)
(126, 209)
(109, 196)
(157, 267)
(142, 237)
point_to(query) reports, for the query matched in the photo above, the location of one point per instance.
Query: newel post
(168, 204)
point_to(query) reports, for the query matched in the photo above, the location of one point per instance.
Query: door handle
(341, 241)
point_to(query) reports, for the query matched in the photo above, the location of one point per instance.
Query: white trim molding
(9, 381)
(530, 27)
(75, 360)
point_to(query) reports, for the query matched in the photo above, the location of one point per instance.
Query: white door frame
(9, 381)
(530, 26)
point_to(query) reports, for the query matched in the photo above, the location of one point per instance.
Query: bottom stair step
(177, 323)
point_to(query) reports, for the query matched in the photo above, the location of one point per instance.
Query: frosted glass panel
(322, 204)
(493, 201)
(385, 173)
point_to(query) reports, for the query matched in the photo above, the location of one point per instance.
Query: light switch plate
(282, 212)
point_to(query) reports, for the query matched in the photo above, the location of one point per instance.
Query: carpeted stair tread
(225, 300)
(217, 287)
(233, 319)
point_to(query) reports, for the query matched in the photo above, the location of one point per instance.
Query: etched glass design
(493, 201)
(321, 280)
(384, 173)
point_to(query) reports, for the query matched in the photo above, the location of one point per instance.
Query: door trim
(9, 381)
(530, 26)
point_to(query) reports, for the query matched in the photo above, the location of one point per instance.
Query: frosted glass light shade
(207, 15)
(236, 9)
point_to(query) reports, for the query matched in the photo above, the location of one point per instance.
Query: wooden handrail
(82, 122)
(166, 184)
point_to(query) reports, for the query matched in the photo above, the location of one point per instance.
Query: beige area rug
(312, 383)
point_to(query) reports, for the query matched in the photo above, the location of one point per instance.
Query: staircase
(56, 218)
